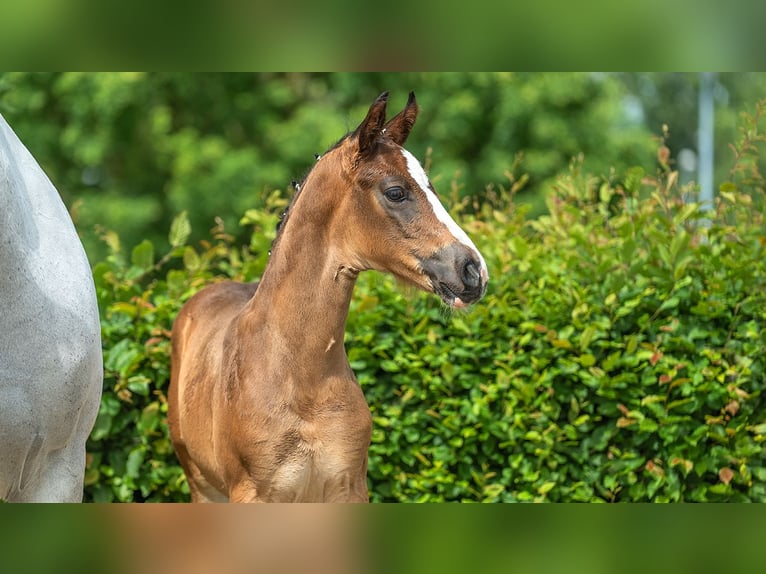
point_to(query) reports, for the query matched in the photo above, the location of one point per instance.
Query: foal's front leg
(352, 487)
(244, 491)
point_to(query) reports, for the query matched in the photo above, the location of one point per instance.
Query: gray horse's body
(51, 368)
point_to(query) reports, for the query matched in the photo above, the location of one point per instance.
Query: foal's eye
(395, 194)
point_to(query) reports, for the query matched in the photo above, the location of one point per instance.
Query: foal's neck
(306, 289)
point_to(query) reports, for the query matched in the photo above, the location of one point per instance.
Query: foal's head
(386, 214)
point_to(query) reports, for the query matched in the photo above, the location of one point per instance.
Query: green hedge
(617, 356)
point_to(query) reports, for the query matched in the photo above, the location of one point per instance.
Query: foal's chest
(319, 473)
(325, 459)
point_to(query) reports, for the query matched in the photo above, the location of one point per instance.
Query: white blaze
(419, 175)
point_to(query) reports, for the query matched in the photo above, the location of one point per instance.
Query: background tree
(672, 99)
(128, 151)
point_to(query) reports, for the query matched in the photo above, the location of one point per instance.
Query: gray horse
(51, 368)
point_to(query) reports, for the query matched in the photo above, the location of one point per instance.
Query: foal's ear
(398, 127)
(369, 130)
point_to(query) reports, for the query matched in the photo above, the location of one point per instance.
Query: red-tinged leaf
(687, 464)
(160, 332)
(664, 379)
(726, 474)
(655, 358)
(139, 302)
(732, 408)
(623, 422)
(655, 469)
(741, 393)
(623, 409)
(561, 344)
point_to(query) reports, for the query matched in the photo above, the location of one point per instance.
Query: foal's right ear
(369, 130)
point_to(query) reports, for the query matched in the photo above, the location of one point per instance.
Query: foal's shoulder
(234, 289)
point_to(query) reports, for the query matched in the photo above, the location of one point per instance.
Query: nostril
(471, 275)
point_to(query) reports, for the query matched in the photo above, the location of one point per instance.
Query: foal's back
(198, 338)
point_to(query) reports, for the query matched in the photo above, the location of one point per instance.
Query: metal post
(705, 139)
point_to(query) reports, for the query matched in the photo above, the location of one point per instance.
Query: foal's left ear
(399, 127)
(369, 130)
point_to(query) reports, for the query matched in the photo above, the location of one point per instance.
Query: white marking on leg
(419, 175)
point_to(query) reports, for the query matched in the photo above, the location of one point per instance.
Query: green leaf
(728, 187)
(448, 372)
(633, 179)
(546, 487)
(150, 418)
(102, 427)
(191, 259)
(389, 366)
(135, 460)
(143, 255)
(139, 384)
(180, 230)
(519, 246)
(679, 243)
(647, 425)
(686, 212)
(581, 420)
(587, 336)
(176, 281)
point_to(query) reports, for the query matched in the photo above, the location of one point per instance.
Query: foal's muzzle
(457, 273)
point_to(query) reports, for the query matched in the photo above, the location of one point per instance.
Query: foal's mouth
(457, 274)
(447, 295)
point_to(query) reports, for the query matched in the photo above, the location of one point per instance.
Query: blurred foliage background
(617, 356)
(128, 151)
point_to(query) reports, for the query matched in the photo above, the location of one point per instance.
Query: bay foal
(263, 405)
